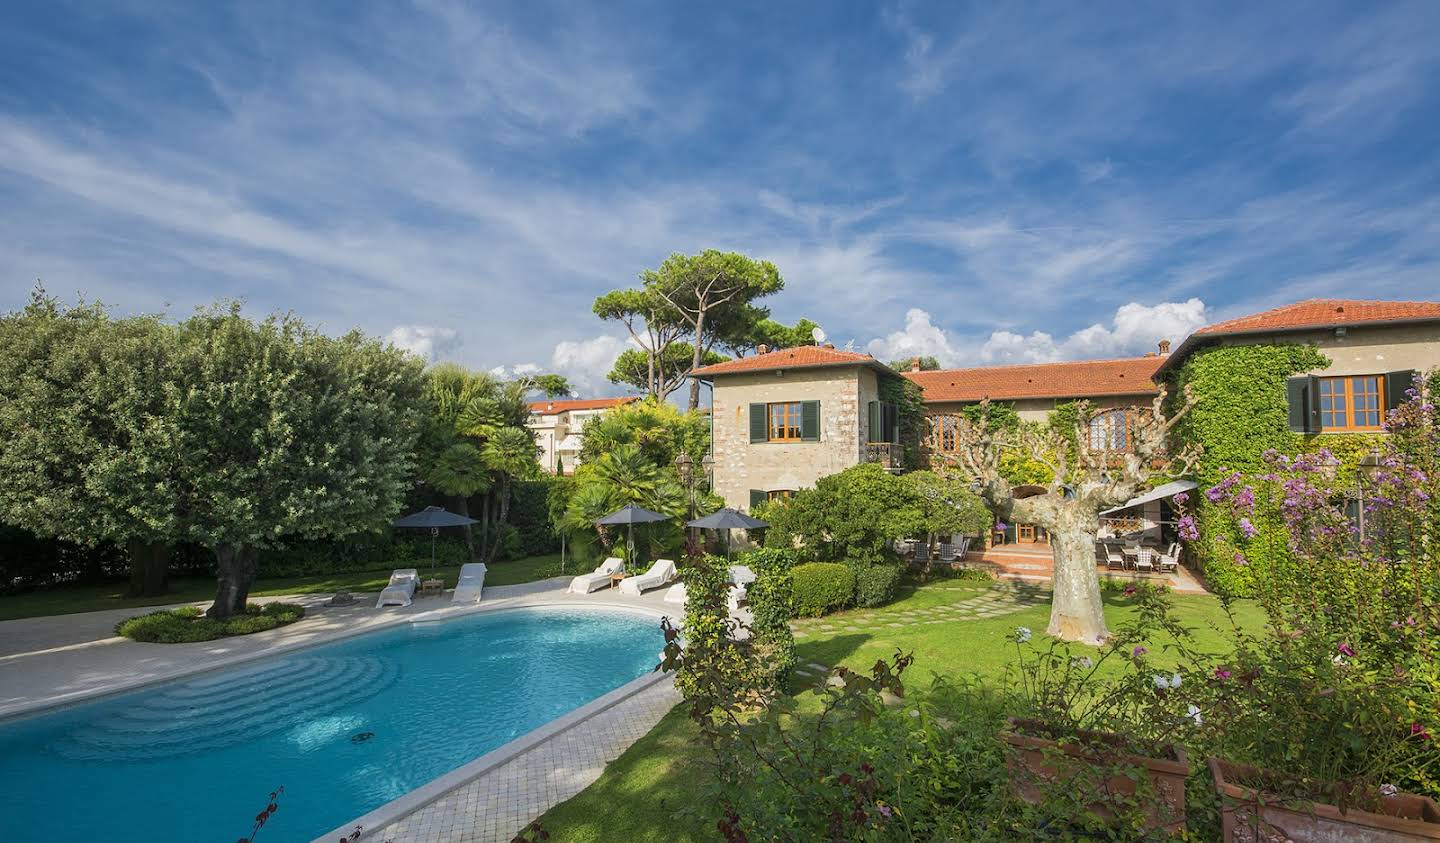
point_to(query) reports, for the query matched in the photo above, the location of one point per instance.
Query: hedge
(821, 587)
(875, 585)
(187, 625)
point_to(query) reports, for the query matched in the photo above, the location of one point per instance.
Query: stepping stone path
(992, 603)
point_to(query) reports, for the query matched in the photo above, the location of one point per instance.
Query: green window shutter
(872, 422)
(810, 421)
(892, 423)
(1297, 400)
(1315, 424)
(759, 424)
(757, 496)
(1396, 384)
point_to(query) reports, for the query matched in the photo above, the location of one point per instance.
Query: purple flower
(884, 811)
(1187, 529)
(1214, 494)
(1138, 651)
(1346, 650)
(1180, 498)
(1240, 559)
(1247, 528)
(1222, 674)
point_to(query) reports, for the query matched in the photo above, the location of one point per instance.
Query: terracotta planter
(1034, 760)
(1248, 819)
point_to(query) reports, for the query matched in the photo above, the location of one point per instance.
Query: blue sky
(993, 182)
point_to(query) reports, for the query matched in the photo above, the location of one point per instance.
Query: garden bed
(188, 624)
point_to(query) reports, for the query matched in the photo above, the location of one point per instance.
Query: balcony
(889, 455)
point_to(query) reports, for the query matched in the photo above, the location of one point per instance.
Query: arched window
(1108, 431)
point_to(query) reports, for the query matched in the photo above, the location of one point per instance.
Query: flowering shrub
(1342, 691)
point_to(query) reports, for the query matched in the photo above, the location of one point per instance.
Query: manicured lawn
(64, 601)
(653, 791)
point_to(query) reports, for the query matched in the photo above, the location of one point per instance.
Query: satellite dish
(850, 346)
(818, 334)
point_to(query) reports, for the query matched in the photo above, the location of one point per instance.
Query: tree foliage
(661, 430)
(927, 363)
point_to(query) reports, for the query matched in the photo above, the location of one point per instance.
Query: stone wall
(741, 466)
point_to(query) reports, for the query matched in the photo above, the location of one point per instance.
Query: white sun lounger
(661, 572)
(676, 593)
(598, 578)
(401, 588)
(471, 584)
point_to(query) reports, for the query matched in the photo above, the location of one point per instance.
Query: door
(1025, 534)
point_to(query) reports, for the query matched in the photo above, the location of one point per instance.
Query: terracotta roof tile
(566, 405)
(1075, 379)
(1311, 314)
(1326, 313)
(799, 357)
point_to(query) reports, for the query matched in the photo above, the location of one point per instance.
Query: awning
(1155, 494)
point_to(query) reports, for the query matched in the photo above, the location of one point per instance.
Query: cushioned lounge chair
(401, 589)
(663, 571)
(471, 584)
(598, 578)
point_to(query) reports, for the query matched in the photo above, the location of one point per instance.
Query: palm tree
(511, 454)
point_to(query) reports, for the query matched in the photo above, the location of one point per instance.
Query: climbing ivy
(1240, 413)
(910, 401)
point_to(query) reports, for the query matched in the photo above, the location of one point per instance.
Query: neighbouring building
(783, 419)
(557, 425)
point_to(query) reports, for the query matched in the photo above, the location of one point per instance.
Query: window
(1352, 403)
(883, 422)
(1109, 431)
(785, 422)
(779, 494)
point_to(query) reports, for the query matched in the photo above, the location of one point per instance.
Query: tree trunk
(501, 519)
(149, 563)
(235, 573)
(462, 504)
(696, 358)
(1076, 610)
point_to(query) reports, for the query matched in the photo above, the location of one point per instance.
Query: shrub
(772, 645)
(821, 587)
(187, 624)
(875, 585)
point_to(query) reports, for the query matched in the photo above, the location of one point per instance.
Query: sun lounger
(471, 583)
(663, 571)
(401, 589)
(676, 593)
(598, 578)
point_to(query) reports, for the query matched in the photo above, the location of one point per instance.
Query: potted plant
(1107, 766)
(1253, 812)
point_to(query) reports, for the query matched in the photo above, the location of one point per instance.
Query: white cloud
(586, 362)
(427, 341)
(1135, 329)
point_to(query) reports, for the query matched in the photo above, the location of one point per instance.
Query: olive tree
(1088, 476)
(86, 440)
(281, 432)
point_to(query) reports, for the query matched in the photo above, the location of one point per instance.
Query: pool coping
(58, 702)
(401, 807)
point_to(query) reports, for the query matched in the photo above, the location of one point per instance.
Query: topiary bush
(821, 588)
(188, 624)
(875, 585)
(772, 645)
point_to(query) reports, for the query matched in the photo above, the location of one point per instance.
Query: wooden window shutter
(892, 423)
(872, 421)
(1297, 400)
(757, 497)
(759, 423)
(810, 421)
(1396, 385)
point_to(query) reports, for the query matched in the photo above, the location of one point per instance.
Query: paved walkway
(1001, 599)
(67, 658)
(496, 806)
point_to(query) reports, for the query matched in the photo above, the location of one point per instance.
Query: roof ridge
(1156, 357)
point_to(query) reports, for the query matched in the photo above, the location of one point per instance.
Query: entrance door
(1025, 533)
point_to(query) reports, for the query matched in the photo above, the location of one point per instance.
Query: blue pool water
(194, 760)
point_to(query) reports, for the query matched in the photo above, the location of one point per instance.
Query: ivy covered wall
(1240, 414)
(909, 398)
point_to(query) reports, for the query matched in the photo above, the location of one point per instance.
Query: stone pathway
(496, 806)
(994, 602)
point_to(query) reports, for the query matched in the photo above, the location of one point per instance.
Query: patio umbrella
(433, 518)
(728, 519)
(630, 515)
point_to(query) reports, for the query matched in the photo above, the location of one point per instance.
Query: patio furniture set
(915, 550)
(1138, 557)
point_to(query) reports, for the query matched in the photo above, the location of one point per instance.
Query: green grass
(71, 599)
(652, 791)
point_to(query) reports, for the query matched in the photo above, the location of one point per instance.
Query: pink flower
(1222, 674)
(1138, 651)
(1346, 650)
(1418, 731)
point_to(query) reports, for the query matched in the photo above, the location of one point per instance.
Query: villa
(557, 426)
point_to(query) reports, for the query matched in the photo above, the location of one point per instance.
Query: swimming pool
(344, 727)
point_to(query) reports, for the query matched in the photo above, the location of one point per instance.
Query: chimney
(762, 348)
(1164, 348)
(914, 364)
